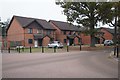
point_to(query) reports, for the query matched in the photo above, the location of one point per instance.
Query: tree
(5, 25)
(3, 29)
(113, 19)
(86, 14)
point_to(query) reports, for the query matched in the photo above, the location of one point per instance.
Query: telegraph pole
(115, 30)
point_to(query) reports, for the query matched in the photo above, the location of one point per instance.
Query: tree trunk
(92, 40)
(92, 31)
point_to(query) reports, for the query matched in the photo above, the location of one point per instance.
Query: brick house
(0, 34)
(29, 32)
(86, 39)
(66, 33)
(106, 32)
(0, 37)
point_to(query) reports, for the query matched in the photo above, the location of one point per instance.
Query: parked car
(108, 42)
(19, 46)
(55, 44)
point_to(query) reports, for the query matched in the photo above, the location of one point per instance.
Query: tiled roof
(110, 30)
(45, 24)
(65, 26)
(25, 21)
(41, 36)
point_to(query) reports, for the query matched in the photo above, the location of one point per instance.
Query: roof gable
(25, 21)
(34, 25)
(109, 30)
(44, 24)
(64, 25)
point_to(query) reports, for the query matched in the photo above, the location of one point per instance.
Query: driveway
(74, 64)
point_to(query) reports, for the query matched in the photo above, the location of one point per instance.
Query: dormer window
(70, 33)
(30, 30)
(64, 32)
(39, 31)
(48, 32)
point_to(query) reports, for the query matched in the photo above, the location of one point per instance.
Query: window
(30, 30)
(48, 32)
(70, 33)
(64, 32)
(74, 33)
(39, 31)
(65, 41)
(78, 33)
(30, 41)
(79, 40)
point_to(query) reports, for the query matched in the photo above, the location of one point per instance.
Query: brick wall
(28, 36)
(57, 32)
(85, 39)
(107, 35)
(15, 32)
(46, 40)
(76, 40)
(60, 34)
(35, 28)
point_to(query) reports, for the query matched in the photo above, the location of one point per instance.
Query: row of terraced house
(25, 31)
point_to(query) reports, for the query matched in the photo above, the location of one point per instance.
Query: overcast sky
(42, 9)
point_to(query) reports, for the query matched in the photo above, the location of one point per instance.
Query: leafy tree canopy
(87, 14)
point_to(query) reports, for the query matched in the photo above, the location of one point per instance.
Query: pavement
(74, 64)
(0, 65)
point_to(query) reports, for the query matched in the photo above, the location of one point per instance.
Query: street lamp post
(116, 49)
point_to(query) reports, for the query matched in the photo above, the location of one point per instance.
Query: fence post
(19, 49)
(9, 50)
(42, 49)
(114, 50)
(30, 49)
(23, 49)
(80, 46)
(117, 51)
(67, 48)
(55, 49)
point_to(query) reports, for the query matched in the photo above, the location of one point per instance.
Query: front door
(36, 43)
(40, 42)
(71, 41)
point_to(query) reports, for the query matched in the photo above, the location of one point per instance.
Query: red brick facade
(107, 35)
(61, 35)
(85, 39)
(17, 34)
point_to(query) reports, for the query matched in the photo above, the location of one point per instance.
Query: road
(74, 64)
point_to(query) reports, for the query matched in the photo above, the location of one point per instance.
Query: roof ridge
(58, 21)
(29, 17)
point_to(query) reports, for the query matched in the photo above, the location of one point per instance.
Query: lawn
(45, 50)
(70, 48)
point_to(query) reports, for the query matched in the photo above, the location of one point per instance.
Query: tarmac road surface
(74, 64)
